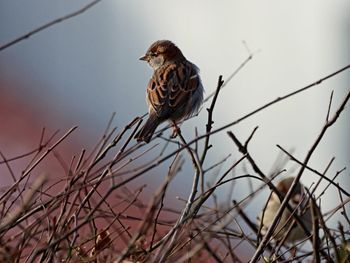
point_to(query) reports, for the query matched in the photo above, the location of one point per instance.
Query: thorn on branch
(250, 137)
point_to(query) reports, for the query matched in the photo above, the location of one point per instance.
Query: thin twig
(49, 24)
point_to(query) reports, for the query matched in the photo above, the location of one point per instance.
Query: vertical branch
(209, 126)
(171, 237)
(210, 119)
(315, 229)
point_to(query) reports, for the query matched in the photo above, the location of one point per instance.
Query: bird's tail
(146, 132)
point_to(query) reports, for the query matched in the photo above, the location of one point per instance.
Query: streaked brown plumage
(298, 200)
(174, 91)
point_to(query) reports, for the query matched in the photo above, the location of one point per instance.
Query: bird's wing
(171, 87)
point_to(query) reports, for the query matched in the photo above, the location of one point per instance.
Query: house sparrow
(298, 199)
(174, 91)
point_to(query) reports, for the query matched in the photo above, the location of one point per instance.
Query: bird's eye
(154, 54)
(296, 199)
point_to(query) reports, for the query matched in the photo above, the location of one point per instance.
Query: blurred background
(80, 71)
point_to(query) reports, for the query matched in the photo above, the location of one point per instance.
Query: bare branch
(296, 180)
(49, 24)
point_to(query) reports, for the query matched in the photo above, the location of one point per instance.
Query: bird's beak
(145, 58)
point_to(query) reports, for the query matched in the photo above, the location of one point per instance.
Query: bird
(299, 201)
(175, 90)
